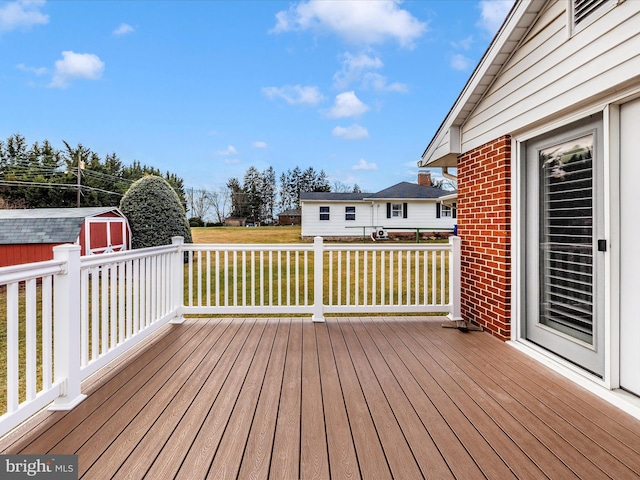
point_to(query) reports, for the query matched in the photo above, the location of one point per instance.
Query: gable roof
(46, 225)
(445, 146)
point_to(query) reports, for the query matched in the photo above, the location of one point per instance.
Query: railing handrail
(89, 261)
(292, 247)
(128, 295)
(29, 271)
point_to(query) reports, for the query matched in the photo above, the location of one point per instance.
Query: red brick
(483, 224)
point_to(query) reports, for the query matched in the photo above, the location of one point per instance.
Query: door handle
(602, 245)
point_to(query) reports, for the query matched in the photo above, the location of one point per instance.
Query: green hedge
(154, 212)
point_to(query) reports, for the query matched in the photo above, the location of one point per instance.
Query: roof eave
(514, 28)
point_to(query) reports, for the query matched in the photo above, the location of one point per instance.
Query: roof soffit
(515, 28)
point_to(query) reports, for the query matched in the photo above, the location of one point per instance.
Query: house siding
(420, 214)
(484, 215)
(312, 226)
(580, 68)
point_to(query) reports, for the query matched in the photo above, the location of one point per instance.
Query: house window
(349, 213)
(448, 210)
(324, 213)
(396, 210)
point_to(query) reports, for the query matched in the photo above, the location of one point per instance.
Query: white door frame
(608, 386)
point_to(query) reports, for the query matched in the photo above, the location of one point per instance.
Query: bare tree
(220, 203)
(339, 187)
(199, 202)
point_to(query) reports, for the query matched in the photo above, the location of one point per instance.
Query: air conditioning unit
(381, 233)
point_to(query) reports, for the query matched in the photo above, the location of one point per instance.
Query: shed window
(349, 213)
(324, 213)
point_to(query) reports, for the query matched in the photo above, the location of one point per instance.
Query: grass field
(284, 234)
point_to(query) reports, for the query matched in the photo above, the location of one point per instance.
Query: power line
(61, 186)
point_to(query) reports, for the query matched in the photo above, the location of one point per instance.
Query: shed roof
(45, 225)
(292, 212)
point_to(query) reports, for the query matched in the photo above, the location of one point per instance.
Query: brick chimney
(424, 179)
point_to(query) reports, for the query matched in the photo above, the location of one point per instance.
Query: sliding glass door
(563, 243)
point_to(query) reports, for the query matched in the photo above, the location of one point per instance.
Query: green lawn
(284, 234)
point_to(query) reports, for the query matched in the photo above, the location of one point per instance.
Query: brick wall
(484, 216)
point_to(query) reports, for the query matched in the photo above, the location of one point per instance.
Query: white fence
(68, 317)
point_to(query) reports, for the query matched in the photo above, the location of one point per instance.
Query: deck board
(371, 398)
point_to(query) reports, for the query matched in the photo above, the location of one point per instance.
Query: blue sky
(206, 89)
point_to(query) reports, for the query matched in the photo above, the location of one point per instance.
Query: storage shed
(29, 235)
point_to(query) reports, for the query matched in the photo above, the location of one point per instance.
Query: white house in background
(401, 210)
(545, 138)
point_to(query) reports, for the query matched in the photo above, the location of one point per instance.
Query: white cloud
(259, 144)
(295, 95)
(355, 21)
(123, 29)
(347, 104)
(38, 71)
(76, 65)
(493, 13)
(22, 14)
(379, 82)
(231, 161)
(230, 150)
(364, 165)
(464, 44)
(354, 67)
(460, 62)
(352, 132)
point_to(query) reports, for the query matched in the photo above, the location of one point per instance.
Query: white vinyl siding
(551, 71)
(421, 213)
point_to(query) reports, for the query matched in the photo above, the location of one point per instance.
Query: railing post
(66, 337)
(454, 279)
(318, 280)
(177, 280)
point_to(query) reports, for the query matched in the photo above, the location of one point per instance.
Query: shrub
(196, 222)
(154, 212)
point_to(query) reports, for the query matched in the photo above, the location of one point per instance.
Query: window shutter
(438, 210)
(405, 209)
(388, 210)
(454, 208)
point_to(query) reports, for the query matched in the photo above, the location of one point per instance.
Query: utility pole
(80, 167)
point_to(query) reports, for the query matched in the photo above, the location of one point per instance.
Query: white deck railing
(70, 316)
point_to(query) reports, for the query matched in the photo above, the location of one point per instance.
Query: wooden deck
(351, 398)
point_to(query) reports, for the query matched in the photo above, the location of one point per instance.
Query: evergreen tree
(154, 212)
(41, 176)
(237, 198)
